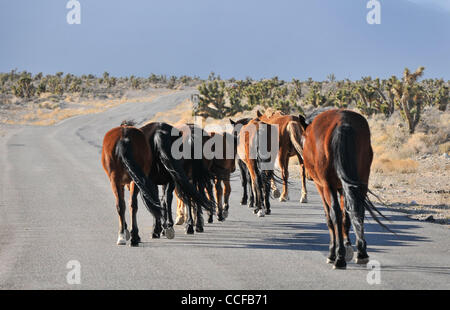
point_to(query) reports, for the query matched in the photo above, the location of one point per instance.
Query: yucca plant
(409, 97)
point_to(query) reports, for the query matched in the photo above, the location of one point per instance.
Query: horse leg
(256, 186)
(275, 191)
(118, 191)
(283, 161)
(251, 203)
(180, 212)
(244, 181)
(199, 222)
(168, 231)
(219, 193)
(357, 216)
(336, 217)
(266, 191)
(226, 196)
(304, 197)
(157, 225)
(332, 248)
(134, 191)
(346, 232)
(189, 220)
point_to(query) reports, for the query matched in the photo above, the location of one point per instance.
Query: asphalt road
(57, 206)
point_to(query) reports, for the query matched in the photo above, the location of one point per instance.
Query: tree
(409, 97)
(24, 87)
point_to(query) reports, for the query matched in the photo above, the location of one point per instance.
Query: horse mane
(128, 123)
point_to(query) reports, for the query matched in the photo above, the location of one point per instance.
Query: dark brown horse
(126, 157)
(224, 164)
(290, 129)
(337, 154)
(184, 174)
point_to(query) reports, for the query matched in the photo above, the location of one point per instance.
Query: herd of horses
(333, 149)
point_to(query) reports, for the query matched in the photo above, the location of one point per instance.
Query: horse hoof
(189, 230)
(340, 264)
(134, 243)
(169, 232)
(127, 234)
(199, 229)
(268, 212)
(330, 260)
(210, 220)
(225, 215)
(156, 236)
(303, 200)
(361, 261)
(276, 193)
(348, 253)
(243, 202)
(261, 213)
(220, 218)
(284, 198)
(121, 240)
(179, 220)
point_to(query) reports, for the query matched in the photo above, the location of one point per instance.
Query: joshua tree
(212, 100)
(24, 87)
(442, 98)
(409, 97)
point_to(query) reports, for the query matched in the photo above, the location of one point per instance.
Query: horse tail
(185, 190)
(124, 150)
(295, 136)
(266, 175)
(343, 144)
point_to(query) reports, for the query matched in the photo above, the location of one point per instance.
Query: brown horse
(255, 141)
(290, 129)
(224, 164)
(126, 157)
(337, 156)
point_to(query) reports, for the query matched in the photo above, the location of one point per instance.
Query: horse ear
(258, 113)
(303, 121)
(232, 122)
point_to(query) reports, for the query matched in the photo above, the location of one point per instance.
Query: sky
(234, 38)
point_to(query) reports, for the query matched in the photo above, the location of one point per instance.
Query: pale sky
(234, 38)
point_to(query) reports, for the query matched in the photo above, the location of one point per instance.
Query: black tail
(187, 192)
(265, 157)
(125, 153)
(345, 163)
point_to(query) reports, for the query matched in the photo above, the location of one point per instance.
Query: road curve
(56, 206)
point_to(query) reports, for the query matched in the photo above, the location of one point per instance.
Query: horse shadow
(283, 234)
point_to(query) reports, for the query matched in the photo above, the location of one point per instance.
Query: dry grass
(50, 112)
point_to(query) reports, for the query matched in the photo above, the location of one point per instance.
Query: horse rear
(127, 157)
(338, 155)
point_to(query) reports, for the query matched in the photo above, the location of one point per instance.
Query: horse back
(318, 150)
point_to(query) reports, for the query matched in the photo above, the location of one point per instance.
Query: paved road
(56, 206)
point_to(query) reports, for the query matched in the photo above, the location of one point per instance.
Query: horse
(290, 129)
(126, 157)
(244, 174)
(251, 150)
(224, 164)
(182, 174)
(202, 174)
(337, 155)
